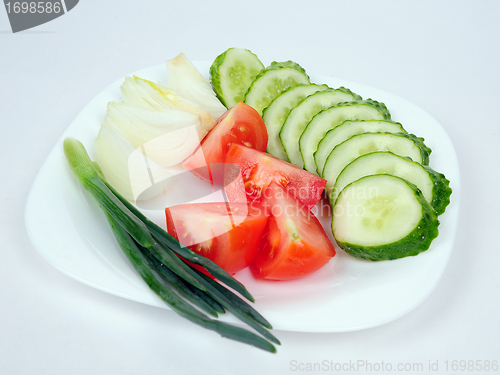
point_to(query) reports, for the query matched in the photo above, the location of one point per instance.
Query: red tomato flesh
(259, 169)
(294, 243)
(227, 233)
(240, 124)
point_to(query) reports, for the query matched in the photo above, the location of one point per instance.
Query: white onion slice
(127, 169)
(184, 78)
(147, 94)
(169, 136)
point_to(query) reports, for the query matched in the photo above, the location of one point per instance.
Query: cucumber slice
(361, 144)
(275, 114)
(434, 186)
(300, 116)
(348, 129)
(330, 119)
(232, 73)
(383, 217)
(272, 81)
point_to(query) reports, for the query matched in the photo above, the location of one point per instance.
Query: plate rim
(155, 301)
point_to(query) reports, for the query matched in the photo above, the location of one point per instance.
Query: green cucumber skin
(424, 150)
(289, 125)
(320, 165)
(274, 146)
(310, 165)
(350, 92)
(414, 243)
(382, 107)
(275, 66)
(419, 142)
(215, 77)
(441, 191)
(283, 64)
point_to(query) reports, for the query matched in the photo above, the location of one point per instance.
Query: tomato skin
(240, 124)
(259, 169)
(294, 243)
(227, 233)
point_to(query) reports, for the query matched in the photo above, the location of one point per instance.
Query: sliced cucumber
(275, 114)
(232, 73)
(300, 116)
(348, 129)
(361, 144)
(272, 81)
(434, 186)
(383, 217)
(331, 118)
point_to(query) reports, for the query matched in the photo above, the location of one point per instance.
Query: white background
(441, 55)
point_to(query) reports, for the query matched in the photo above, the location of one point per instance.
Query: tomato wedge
(227, 233)
(294, 243)
(240, 124)
(259, 169)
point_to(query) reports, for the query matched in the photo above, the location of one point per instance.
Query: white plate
(68, 229)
